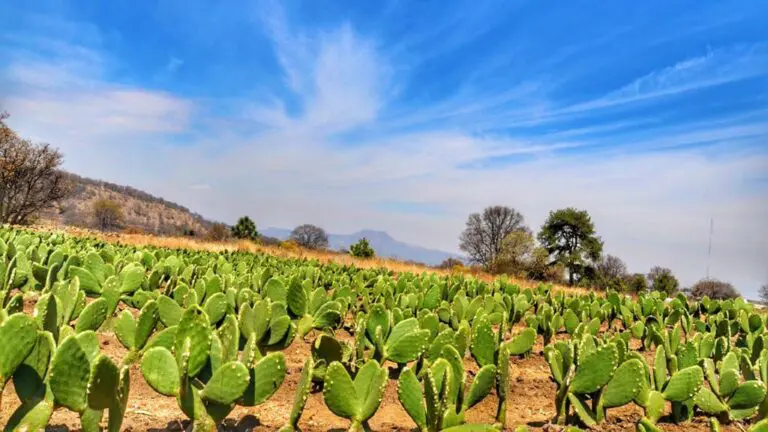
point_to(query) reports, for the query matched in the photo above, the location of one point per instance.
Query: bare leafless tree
(310, 236)
(30, 179)
(763, 292)
(482, 238)
(610, 273)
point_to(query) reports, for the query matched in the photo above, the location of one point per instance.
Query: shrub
(107, 214)
(449, 263)
(714, 289)
(362, 249)
(269, 241)
(636, 283)
(290, 245)
(218, 232)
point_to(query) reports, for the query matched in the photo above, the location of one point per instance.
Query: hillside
(154, 215)
(384, 245)
(141, 211)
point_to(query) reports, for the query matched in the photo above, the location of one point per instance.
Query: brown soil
(531, 403)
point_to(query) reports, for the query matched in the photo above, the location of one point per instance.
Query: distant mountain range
(381, 242)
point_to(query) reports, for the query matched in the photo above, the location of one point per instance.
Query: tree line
(566, 248)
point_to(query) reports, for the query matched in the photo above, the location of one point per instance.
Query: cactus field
(100, 336)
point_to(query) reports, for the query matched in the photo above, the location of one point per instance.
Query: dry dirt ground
(531, 403)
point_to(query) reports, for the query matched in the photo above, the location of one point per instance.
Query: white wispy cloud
(716, 67)
(650, 207)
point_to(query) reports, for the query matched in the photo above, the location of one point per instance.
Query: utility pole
(709, 250)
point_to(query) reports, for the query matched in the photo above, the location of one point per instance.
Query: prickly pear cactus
(356, 400)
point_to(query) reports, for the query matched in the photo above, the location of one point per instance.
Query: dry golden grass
(292, 252)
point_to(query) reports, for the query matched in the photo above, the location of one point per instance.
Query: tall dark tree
(310, 236)
(30, 178)
(661, 279)
(245, 229)
(482, 238)
(570, 238)
(763, 292)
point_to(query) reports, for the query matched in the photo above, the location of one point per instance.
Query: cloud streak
(363, 131)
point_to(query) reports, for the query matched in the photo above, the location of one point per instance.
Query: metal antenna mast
(709, 250)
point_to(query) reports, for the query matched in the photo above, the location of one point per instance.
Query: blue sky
(407, 116)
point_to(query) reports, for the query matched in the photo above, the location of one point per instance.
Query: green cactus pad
(406, 342)
(708, 402)
(69, 375)
(369, 387)
(164, 338)
(216, 307)
(555, 361)
(194, 327)
(748, 395)
(522, 343)
(729, 381)
(145, 325)
(302, 393)
(582, 410)
(483, 346)
(596, 370)
(297, 299)
(160, 371)
(125, 329)
(267, 376)
(170, 311)
(227, 384)
(684, 384)
(103, 383)
(32, 416)
(117, 410)
(93, 316)
(481, 386)
(655, 406)
(339, 392)
(18, 336)
(761, 426)
(624, 385)
(411, 397)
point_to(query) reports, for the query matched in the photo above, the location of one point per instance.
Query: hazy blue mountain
(382, 243)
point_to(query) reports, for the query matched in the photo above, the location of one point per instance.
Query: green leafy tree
(636, 283)
(570, 238)
(362, 249)
(515, 253)
(661, 279)
(245, 229)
